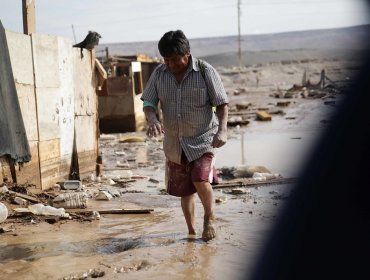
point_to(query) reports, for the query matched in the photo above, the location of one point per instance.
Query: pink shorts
(180, 177)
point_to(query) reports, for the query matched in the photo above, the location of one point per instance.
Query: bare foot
(209, 231)
(192, 236)
(192, 232)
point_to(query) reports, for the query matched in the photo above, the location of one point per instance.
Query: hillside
(346, 41)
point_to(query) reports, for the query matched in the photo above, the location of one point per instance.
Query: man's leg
(205, 193)
(188, 208)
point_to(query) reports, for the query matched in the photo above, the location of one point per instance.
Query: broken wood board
(27, 197)
(253, 183)
(112, 211)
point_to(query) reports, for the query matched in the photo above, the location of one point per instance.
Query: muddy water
(156, 245)
(282, 145)
(151, 246)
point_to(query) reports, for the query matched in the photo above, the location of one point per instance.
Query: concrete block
(27, 102)
(45, 54)
(48, 108)
(84, 83)
(66, 96)
(20, 52)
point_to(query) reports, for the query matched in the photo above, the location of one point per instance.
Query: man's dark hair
(172, 43)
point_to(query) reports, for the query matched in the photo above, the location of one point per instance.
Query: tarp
(13, 137)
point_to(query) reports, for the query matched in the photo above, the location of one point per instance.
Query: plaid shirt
(188, 119)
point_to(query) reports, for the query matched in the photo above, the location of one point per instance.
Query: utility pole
(239, 47)
(74, 34)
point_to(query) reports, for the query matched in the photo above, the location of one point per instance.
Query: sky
(147, 20)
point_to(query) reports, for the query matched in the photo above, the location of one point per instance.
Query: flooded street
(156, 245)
(151, 246)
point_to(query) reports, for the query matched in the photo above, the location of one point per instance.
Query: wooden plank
(30, 172)
(29, 19)
(101, 69)
(49, 149)
(249, 182)
(5, 171)
(112, 211)
(24, 196)
(49, 162)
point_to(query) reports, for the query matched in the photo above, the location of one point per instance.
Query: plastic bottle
(40, 209)
(3, 212)
(36, 208)
(49, 210)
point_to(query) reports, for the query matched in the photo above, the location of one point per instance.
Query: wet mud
(156, 245)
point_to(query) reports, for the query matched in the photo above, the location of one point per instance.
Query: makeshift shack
(120, 106)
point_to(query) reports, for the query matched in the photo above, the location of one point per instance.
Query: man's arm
(154, 125)
(220, 138)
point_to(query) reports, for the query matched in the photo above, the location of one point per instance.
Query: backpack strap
(202, 68)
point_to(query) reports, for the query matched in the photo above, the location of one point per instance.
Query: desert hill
(337, 43)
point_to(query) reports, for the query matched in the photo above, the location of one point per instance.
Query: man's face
(177, 63)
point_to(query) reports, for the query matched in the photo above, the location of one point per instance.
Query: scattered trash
(263, 116)
(264, 176)
(242, 105)
(152, 180)
(236, 120)
(20, 201)
(239, 191)
(71, 200)
(221, 199)
(3, 212)
(283, 103)
(95, 215)
(239, 91)
(112, 191)
(103, 195)
(242, 171)
(126, 174)
(4, 189)
(41, 209)
(71, 185)
(7, 229)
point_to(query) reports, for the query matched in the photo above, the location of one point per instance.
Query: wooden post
(29, 19)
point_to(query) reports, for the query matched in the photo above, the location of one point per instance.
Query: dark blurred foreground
(323, 231)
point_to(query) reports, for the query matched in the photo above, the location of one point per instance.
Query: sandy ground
(156, 245)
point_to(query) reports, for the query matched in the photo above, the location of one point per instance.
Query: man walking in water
(187, 89)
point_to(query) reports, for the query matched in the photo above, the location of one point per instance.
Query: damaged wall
(56, 92)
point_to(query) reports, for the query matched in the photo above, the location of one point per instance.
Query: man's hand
(155, 129)
(219, 139)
